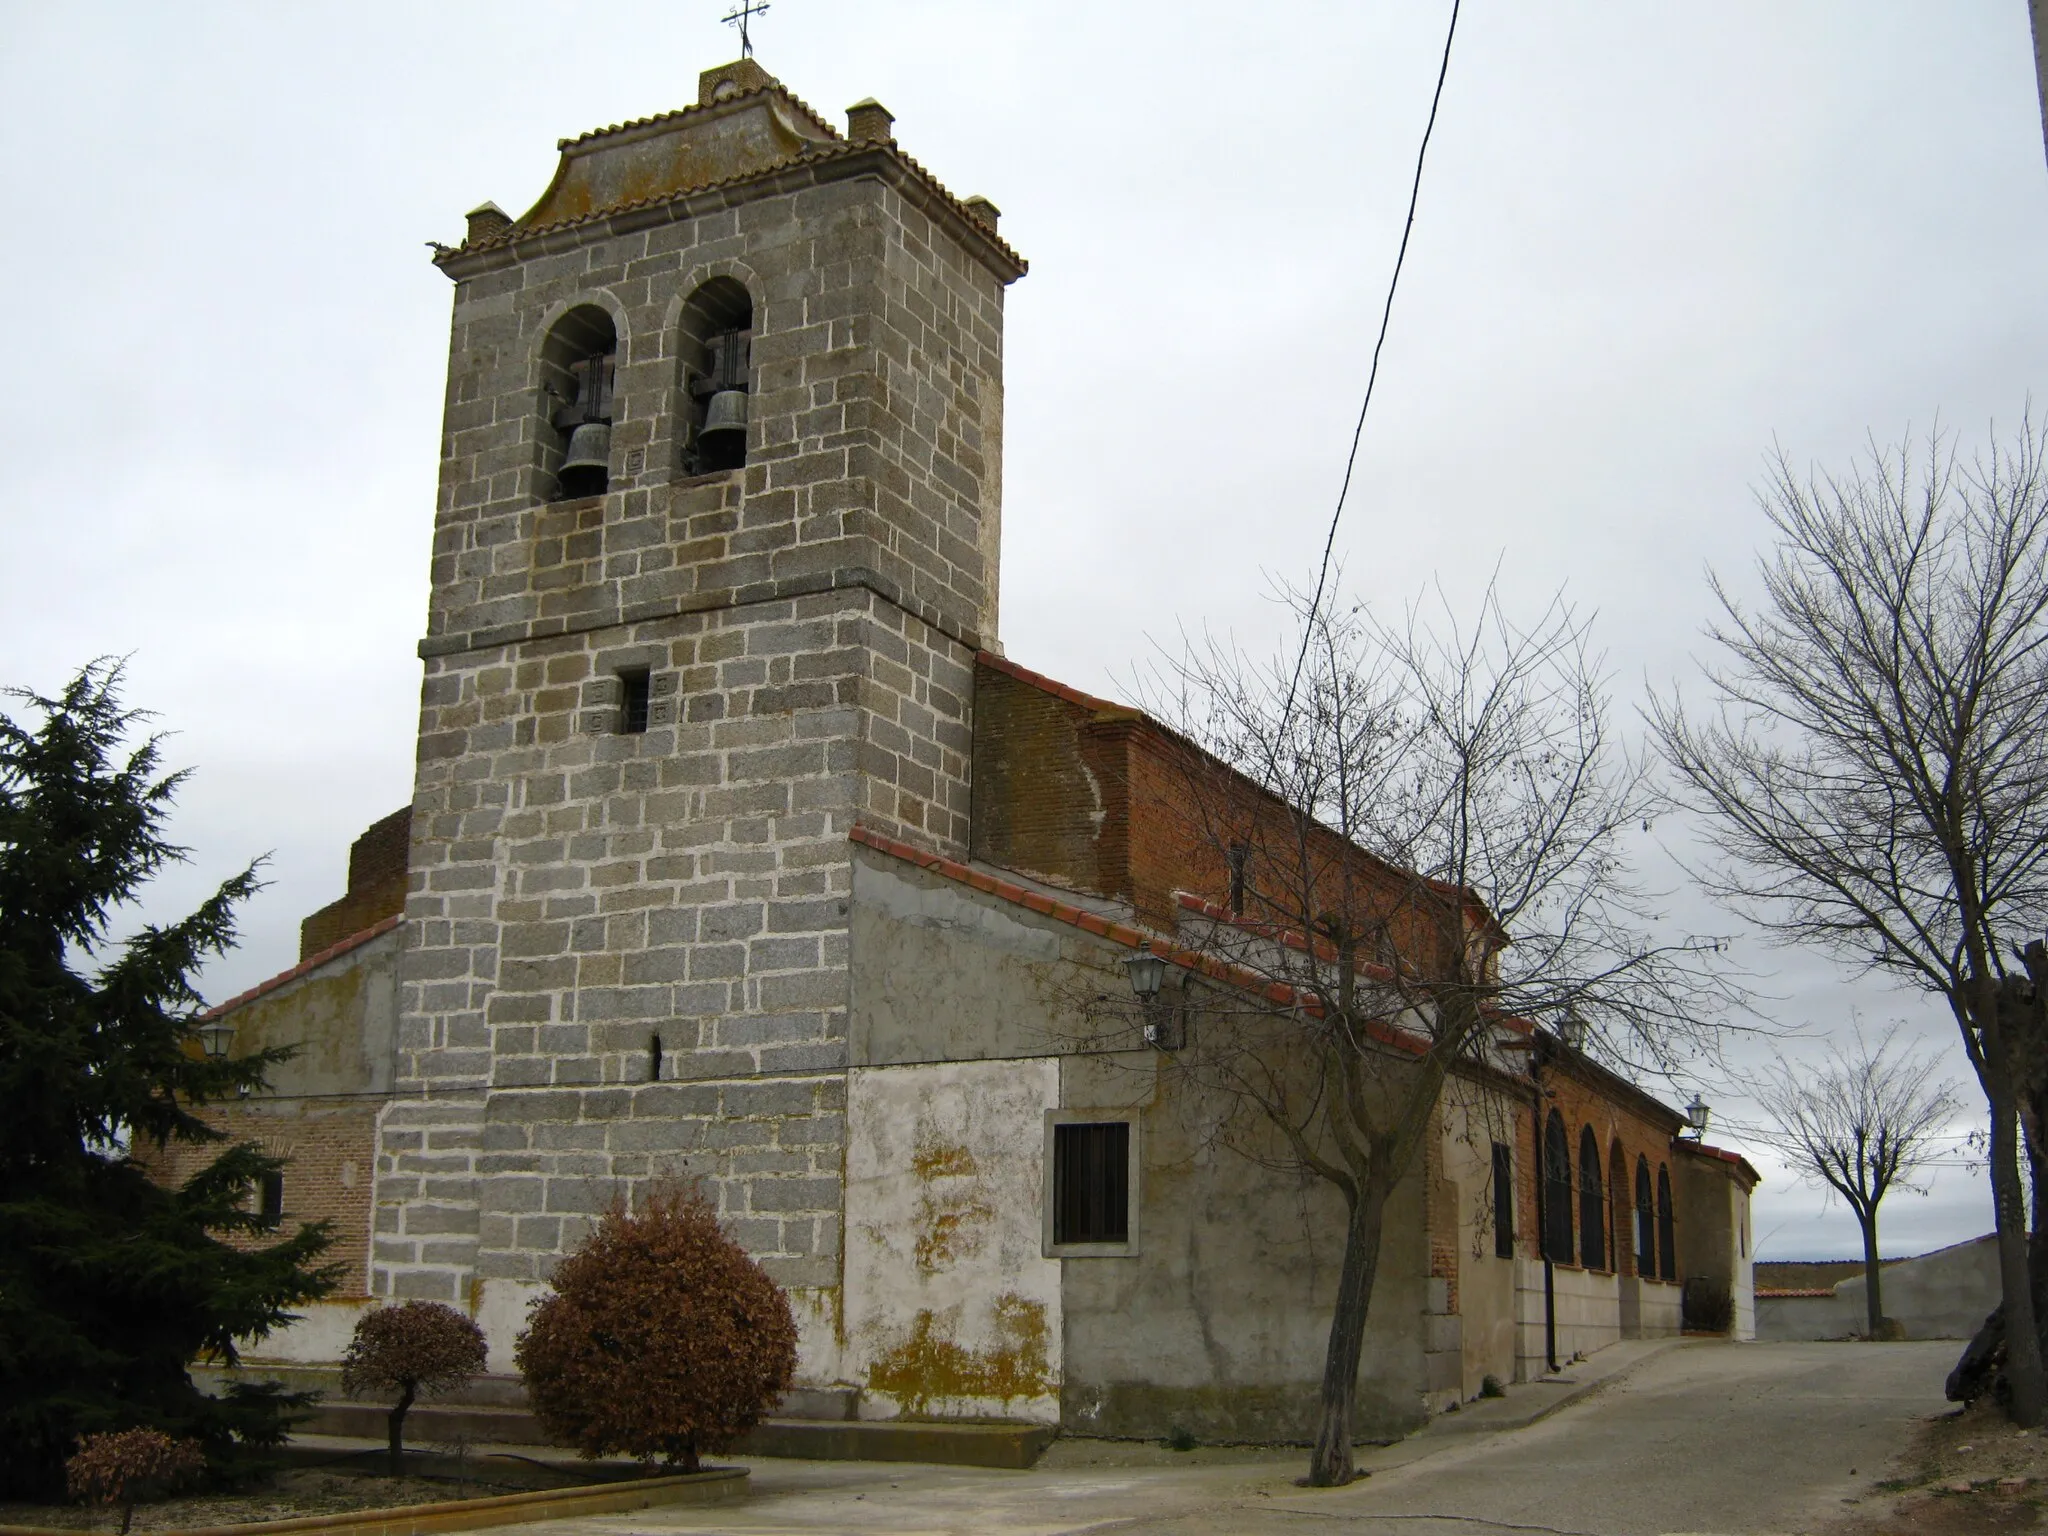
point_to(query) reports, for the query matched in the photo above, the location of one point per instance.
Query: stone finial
(869, 122)
(729, 80)
(983, 210)
(486, 220)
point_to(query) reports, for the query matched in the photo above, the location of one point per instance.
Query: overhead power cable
(1372, 375)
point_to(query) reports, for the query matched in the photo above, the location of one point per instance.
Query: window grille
(1091, 1182)
(1592, 1204)
(635, 692)
(1557, 1191)
(1667, 1237)
(1646, 1222)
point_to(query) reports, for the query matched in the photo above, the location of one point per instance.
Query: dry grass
(1967, 1474)
(289, 1494)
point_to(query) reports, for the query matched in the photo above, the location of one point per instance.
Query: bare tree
(1421, 830)
(1875, 775)
(1862, 1125)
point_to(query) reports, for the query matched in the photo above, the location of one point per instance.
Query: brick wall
(1105, 800)
(1583, 1098)
(330, 1151)
(376, 885)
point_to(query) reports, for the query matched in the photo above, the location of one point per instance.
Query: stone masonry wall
(808, 624)
(877, 362)
(578, 891)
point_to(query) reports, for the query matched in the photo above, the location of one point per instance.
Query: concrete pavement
(1734, 1440)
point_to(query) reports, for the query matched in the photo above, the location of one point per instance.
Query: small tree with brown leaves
(662, 1337)
(418, 1346)
(129, 1466)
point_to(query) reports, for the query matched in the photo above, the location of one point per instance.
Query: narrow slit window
(270, 1197)
(654, 1059)
(1503, 1201)
(1091, 1182)
(635, 689)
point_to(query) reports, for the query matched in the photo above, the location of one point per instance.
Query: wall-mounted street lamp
(1696, 1116)
(1148, 974)
(1162, 1021)
(216, 1038)
(1571, 1029)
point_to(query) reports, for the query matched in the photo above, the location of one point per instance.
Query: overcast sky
(1653, 240)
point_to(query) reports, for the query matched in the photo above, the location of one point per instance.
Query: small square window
(635, 692)
(270, 1198)
(1091, 1182)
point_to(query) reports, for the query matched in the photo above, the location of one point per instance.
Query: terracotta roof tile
(1223, 971)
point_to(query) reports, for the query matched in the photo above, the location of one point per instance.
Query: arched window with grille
(1592, 1203)
(1646, 1222)
(1617, 1208)
(1667, 1237)
(1557, 1191)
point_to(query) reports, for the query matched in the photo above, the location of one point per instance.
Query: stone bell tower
(715, 547)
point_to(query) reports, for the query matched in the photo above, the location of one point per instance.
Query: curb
(706, 1487)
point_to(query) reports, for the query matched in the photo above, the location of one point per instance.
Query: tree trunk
(1330, 1464)
(1874, 1308)
(394, 1427)
(2023, 1372)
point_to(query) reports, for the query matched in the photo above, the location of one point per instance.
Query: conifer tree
(112, 1284)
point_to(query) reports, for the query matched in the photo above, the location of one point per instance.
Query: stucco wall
(1941, 1295)
(951, 1309)
(1472, 1122)
(1217, 1324)
(1713, 1229)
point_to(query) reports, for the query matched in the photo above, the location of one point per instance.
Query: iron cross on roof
(739, 16)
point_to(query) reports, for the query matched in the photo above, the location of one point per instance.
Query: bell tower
(715, 546)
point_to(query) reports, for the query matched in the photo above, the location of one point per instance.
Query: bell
(726, 414)
(586, 467)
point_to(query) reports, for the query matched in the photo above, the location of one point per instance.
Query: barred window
(1091, 1182)
(1592, 1204)
(636, 688)
(1557, 1191)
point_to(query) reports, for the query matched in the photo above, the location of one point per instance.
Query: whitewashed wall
(950, 1306)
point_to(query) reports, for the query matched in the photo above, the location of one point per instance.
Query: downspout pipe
(1540, 1124)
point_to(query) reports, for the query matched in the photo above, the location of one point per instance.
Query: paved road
(1734, 1440)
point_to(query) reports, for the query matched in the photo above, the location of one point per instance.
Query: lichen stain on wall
(930, 1366)
(948, 1234)
(954, 1209)
(935, 1159)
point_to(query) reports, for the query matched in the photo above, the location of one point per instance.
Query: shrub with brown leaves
(415, 1347)
(662, 1337)
(131, 1465)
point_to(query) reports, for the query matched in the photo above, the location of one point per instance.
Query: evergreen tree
(111, 1283)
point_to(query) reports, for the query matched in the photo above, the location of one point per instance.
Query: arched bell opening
(716, 354)
(578, 361)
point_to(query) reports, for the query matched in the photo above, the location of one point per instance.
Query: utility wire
(1372, 376)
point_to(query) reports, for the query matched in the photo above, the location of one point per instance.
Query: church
(740, 851)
